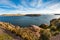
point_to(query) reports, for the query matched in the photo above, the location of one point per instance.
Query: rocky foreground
(42, 32)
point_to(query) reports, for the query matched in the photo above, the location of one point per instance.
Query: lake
(28, 20)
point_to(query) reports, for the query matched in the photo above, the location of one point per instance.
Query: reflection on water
(28, 20)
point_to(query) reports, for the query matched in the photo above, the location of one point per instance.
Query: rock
(35, 28)
(44, 26)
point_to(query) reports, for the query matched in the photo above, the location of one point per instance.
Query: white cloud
(42, 8)
(7, 3)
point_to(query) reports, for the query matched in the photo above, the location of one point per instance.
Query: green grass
(5, 37)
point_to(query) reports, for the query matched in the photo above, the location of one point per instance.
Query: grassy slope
(7, 35)
(4, 36)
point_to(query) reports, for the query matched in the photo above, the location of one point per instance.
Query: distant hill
(12, 14)
(33, 15)
(20, 15)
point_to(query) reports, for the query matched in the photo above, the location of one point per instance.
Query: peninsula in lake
(20, 15)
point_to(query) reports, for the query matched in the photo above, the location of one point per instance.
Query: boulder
(44, 26)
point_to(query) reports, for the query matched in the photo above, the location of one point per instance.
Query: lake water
(28, 20)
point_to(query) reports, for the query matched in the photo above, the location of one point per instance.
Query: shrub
(44, 26)
(45, 34)
(27, 34)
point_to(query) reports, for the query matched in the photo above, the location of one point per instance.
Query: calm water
(27, 20)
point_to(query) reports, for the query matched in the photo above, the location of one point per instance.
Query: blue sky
(29, 6)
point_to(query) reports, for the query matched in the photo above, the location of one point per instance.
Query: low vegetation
(5, 37)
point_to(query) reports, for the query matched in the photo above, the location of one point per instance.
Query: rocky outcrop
(55, 22)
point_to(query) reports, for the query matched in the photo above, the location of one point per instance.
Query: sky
(29, 6)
